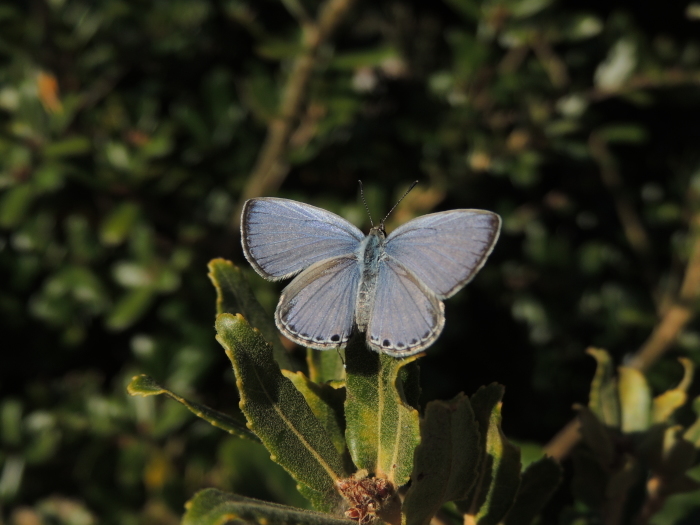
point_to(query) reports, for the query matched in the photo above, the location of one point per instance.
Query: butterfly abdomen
(368, 254)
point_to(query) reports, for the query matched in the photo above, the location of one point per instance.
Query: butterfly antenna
(402, 198)
(362, 194)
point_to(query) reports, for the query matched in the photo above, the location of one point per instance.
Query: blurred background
(131, 132)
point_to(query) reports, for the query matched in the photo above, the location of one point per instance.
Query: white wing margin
(445, 250)
(281, 237)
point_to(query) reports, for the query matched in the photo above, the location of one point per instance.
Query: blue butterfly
(389, 287)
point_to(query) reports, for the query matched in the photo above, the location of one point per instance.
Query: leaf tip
(143, 385)
(228, 321)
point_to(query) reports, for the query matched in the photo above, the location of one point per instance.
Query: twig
(678, 314)
(552, 64)
(271, 166)
(659, 341)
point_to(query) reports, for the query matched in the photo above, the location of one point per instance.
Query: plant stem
(271, 166)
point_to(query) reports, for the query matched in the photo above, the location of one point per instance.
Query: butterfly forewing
(281, 237)
(406, 315)
(445, 250)
(317, 308)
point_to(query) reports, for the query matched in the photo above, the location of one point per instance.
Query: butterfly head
(378, 231)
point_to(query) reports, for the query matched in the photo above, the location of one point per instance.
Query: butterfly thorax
(369, 254)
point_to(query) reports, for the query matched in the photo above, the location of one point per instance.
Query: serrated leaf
(499, 476)
(234, 295)
(603, 399)
(214, 507)
(635, 400)
(382, 428)
(326, 403)
(539, 481)
(596, 436)
(446, 461)
(277, 412)
(325, 366)
(143, 385)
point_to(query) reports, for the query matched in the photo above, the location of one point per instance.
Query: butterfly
(389, 287)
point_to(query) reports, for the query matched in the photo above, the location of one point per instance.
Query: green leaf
(623, 133)
(326, 403)
(234, 295)
(446, 460)
(525, 8)
(539, 481)
(499, 476)
(325, 366)
(374, 57)
(279, 49)
(603, 399)
(277, 412)
(382, 428)
(143, 385)
(15, 204)
(214, 507)
(117, 226)
(130, 307)
(664, 405)
(635, 400)
(68, 147)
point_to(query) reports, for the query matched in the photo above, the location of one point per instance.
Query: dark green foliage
(130, 133)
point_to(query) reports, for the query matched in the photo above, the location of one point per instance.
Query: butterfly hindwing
(445, 250)
(406, 316)
(281, 237)
(317, 308)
